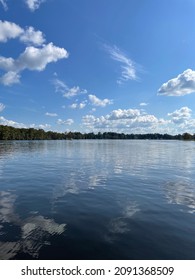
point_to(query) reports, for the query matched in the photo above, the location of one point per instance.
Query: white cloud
(73, 106)
(7, 64)
(10, 78)
(78, 105)
(147, 120)
(4, 121)
(181, 85)
(9, 30)
(35, 57)
(51, 114)
(4, 4)
(74, 91)
(128, 121)
(182, 120)
(68, 92)
(2, 107)
(124, 114)
(32, 59)
(38, 58)
(82, 105)
(180, 115)
(60, 86)
(65, 122)
(143, 104)
(188, 125)
(30, 36)
(128, 66)
(31, 4)
(34, 4)
(99, 102)
(43, 126)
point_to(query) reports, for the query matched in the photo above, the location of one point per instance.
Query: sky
(126, 66)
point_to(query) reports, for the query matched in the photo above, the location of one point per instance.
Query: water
(104, 199)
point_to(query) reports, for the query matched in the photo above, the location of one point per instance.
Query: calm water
(97, 199)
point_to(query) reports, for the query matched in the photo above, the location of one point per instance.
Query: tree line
(12, 133)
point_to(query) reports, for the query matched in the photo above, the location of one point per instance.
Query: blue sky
(115, 65)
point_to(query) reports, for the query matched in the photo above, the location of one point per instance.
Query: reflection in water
(41, 224)
(182, 193)
(130, 209)
(113, 189)
(120, 225)
(7, 201)
(8, 250)
(14, 147)
(77, 182)
(34, 231)
(97, 180)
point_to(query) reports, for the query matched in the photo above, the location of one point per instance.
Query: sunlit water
(97, 199)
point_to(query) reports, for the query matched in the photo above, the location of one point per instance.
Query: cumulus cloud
(31, 36)
(35, 57)
(70, 92)
(99, 102)
(51, 114)
(38, 58)
(9, 30)
(73, 106)
(32, 59)
(188, 125)
(123, 114)
(4, 4)
(130, 120)
(182, 120)
(78, 105)
(34, 4)
(82, 105)
(4, 121)
(2, 107)
(181, 85)
(10, 78)
(6, 63)
(128, 66)
(43, 126)
(65, 122)
(180, 115)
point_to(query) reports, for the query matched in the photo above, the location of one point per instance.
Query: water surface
(97, 199)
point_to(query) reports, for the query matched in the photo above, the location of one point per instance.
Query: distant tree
(187, 136)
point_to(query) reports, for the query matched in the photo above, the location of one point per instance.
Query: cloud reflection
(181, 193)
(8, 250)
(34, 231)
(7, 201)
(120, 225)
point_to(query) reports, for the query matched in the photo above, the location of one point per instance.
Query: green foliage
(12, 133)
